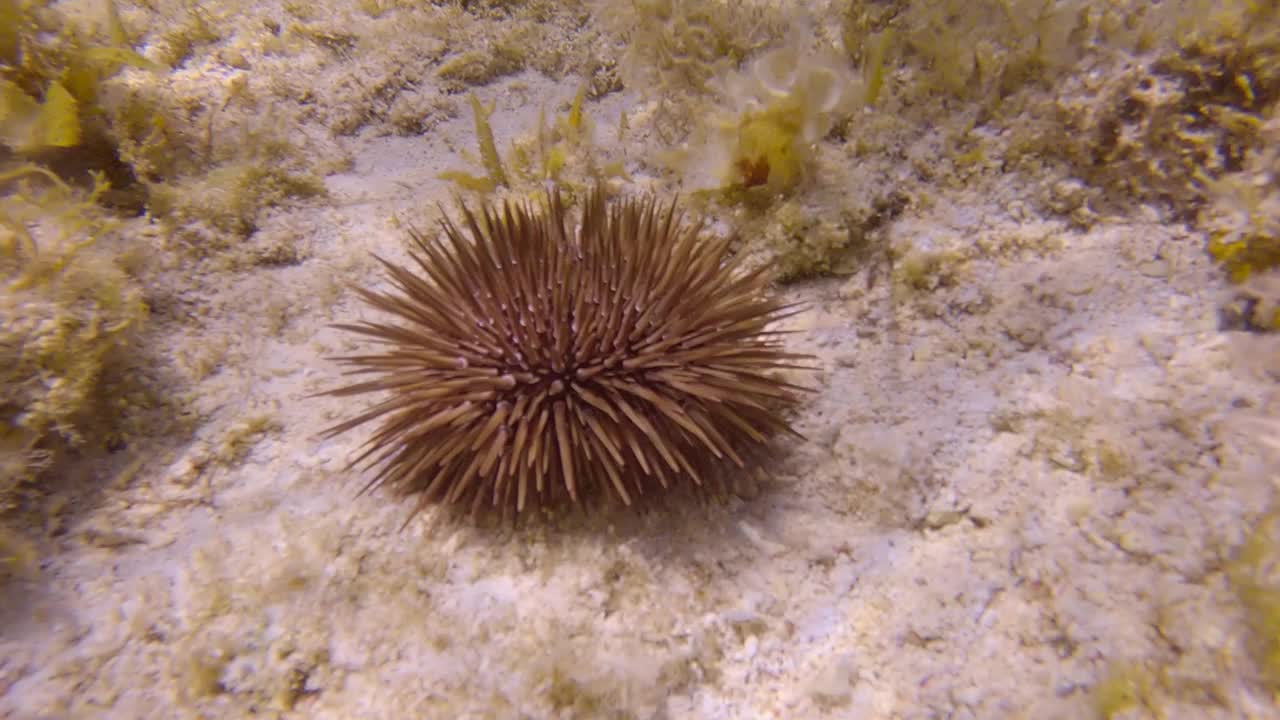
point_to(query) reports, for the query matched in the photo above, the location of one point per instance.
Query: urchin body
(530, 366)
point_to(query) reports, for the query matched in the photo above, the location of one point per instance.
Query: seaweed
(495, 174)
(771, 114)
(1126, 687)
(681, 46)
(801, 243)
(230, 197)
(17, 555)
(1252, 575)
(674, 50)
(481, 66)
(1243, 214)
(875, 66)
(1170, 128)
(989, 49)
(563, 151)
(65, 308)
(49, 89)
(1243, 254)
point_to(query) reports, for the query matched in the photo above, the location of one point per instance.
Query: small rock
(937, 519)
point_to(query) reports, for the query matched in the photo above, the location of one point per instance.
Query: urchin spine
(532, 363)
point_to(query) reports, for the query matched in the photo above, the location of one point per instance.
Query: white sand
(1012, 486)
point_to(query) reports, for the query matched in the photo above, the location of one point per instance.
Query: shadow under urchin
(533, 367)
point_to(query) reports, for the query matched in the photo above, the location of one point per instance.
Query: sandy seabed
(1015, 488)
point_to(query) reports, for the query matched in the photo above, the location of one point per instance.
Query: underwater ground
(1035, 242)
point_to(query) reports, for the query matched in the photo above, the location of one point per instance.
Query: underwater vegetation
(68, 103)
(773, 112)
(1159, 103)
(674, 50)
(757, 112)
(1191, 113)
(1253, 576)
(53, 74)
(563, 152)
(1243, 216)
(67, 306)
(536, 366)
(754, 108)
(94, 135)
(170, 115)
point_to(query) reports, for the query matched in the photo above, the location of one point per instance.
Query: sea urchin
(531, 367)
